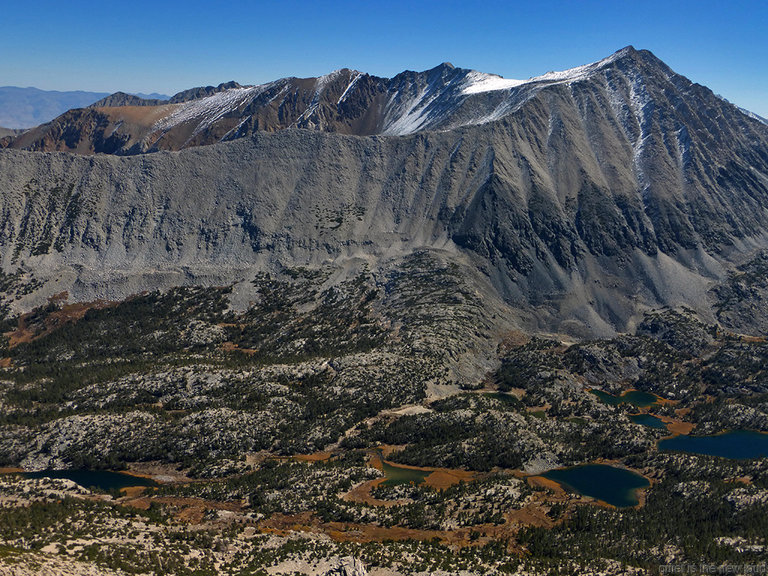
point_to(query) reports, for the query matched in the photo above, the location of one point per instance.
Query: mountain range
(22, 108)
(580, 197)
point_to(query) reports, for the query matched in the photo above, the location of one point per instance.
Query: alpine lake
(648, 420)
(735, 444)
(396, 475)
(616, 486)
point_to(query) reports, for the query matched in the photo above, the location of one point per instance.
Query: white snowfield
(478, 82)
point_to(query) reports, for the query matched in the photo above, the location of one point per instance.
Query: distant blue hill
(28, 107)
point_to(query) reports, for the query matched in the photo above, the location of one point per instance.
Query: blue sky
(168, 46)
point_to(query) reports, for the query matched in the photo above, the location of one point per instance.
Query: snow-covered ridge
(744, 110)
(753, 115)
(435, 103)
(206, 111)
(431, 105)
(580, 72)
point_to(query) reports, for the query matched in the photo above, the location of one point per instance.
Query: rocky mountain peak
(122, 99)
(202, 92)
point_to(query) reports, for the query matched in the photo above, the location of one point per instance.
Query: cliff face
(583, 198)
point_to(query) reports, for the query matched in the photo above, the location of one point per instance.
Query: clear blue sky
(167, 46)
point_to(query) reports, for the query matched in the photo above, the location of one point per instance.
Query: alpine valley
(439, 323)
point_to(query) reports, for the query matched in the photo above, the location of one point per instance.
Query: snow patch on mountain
(406, 117)
(581, 72)
(477, 82)
(349, 87)
(744, 110)
(206, 111)
(753, 115)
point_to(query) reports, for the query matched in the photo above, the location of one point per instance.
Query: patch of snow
(497, 113)
(683, 145)
(237, 128)
(753, 115)
(206, 111)
(639, 100)
(408, 117)
(320, 84)
(743, 110)
(477, 82)
(348, 88)
(631, 105)
(579, 72)
(282, 91)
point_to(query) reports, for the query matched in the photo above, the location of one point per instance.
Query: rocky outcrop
(7, 135)
(348, 566)
(123, 99)
(741, 301)
(202, 92)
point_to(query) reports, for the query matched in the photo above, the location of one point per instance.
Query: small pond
(648, 420)
(397, 475)
(633, 397)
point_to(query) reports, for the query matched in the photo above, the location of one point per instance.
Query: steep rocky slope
(584, 196)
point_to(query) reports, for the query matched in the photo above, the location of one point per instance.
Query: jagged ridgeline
(580, 198)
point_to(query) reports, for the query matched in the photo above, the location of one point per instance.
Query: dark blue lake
(737, 444)
(648, 420)
(101, 479)
(616, 486)
(633, 397)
